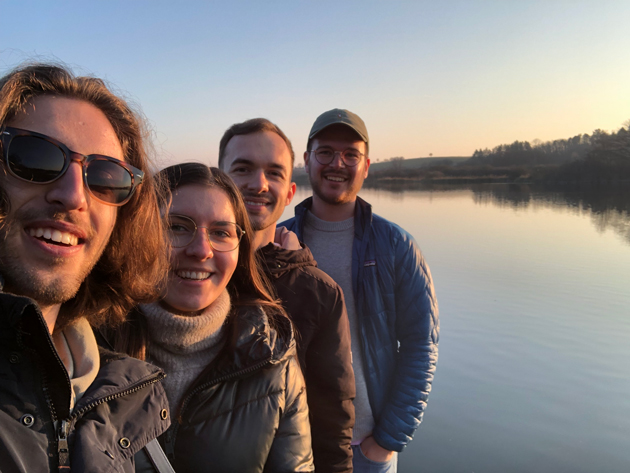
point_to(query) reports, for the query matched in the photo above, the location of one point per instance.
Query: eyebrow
(345, 149)
(251, 163)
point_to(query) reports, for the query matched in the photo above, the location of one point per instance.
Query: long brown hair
(248, 285)
(132, 266)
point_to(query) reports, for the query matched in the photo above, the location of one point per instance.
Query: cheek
(105, 217)
(229, 264)
(176, 255)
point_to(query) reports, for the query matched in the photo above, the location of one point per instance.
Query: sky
(440, 77)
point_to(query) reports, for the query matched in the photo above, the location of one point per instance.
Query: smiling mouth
(194, 275)
(335, 178)
(54, 236)
(259, 204)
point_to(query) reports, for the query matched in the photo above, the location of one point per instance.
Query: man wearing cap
(387, 285)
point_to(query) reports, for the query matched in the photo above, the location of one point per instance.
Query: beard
(348, 195)
(44, 285)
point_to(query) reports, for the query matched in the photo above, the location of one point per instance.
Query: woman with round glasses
(235, 389)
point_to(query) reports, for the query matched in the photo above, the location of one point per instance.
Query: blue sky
(427, 77)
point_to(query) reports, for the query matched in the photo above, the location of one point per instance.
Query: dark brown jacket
(316, 306)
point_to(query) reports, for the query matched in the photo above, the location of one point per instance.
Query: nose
(337, 161)
(69, 190)
(200, 248)
(259, 183)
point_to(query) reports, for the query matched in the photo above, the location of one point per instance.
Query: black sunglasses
(40, 159)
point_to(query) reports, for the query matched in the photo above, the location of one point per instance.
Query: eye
(220, 233)
(324, 153)
(276, 174)
(239, 170)
(352, 155)
(178, 228)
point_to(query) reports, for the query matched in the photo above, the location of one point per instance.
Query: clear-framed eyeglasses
(223, 236)
(350, 157)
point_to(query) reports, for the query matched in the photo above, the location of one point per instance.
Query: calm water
(534, 295)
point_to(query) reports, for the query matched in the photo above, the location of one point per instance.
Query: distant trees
(522, 153)
(600, 157)
(608, 159)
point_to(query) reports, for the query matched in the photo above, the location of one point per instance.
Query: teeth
(54, 235)
(335, 179)
(198, 275)
(249, 202)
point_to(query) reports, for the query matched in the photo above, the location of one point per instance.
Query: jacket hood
(279, 261)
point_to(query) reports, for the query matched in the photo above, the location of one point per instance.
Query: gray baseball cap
(344, 117)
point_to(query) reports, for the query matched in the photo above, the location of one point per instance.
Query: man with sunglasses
(387, 286)
(80, 243)
(259, 157)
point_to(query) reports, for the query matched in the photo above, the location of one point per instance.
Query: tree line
(599, 157)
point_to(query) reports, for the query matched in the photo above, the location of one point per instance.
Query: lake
(534, 295)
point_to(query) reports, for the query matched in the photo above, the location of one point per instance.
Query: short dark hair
(254, 125)
(133, 263)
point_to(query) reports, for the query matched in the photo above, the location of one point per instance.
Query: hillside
(300, 177)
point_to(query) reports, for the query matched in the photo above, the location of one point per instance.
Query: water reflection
(607, 207)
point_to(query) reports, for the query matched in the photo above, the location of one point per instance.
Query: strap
(158, 457)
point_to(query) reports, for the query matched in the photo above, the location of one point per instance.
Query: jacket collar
(362, 216)
(21, 320)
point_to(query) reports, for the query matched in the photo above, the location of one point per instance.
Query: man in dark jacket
(387, 285)
(74, 218)
(259, 157)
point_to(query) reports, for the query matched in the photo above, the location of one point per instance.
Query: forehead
(339, 136)
(78, 124)
(203, 204)
(263, 148)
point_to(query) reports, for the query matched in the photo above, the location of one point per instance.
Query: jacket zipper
(169, 447)
(64, 426)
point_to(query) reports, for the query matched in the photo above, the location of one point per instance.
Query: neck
(332, 212)
(264, 237)
(50, 314)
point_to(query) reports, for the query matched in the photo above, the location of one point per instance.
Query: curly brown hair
(132, 267)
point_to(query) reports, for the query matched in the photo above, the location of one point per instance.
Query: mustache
(23, 216)
(267, 198)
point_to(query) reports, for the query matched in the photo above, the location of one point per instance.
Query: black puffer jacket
(316, 306)
(247, 412)
(123, 409)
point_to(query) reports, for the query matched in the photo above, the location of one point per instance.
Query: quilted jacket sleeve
(291, 449)
(417, 331)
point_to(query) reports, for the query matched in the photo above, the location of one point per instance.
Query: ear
(367, 167)
(306, 160)
(290, 194)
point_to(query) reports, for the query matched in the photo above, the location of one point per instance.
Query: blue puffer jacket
(398, 320)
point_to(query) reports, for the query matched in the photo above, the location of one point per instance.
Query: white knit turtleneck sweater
(184, 345)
